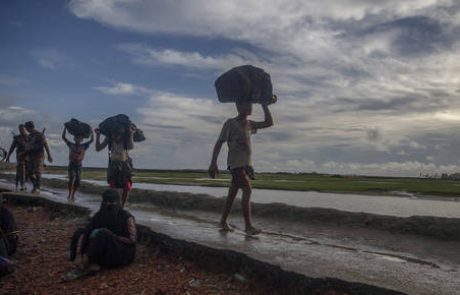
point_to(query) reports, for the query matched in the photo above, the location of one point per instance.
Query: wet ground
(411, 264)
(42, 259)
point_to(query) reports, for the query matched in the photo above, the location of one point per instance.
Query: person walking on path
(35, 150)
(119, 171)
(19, 144)
(77, 151)
(237, 133)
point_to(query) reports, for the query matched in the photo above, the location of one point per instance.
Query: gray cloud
(363, 86)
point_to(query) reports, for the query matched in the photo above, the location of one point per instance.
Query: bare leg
(74, 190)
(23, 176)
(246, 205)
(124, 197)
(232, 191)
(70, 185)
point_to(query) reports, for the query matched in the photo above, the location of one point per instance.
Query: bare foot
(94, 268)
(225, 227)
(252, 231)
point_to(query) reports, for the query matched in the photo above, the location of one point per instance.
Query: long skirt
(106, 250)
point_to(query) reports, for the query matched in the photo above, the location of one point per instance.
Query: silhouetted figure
(109, 240)
(77, 151)
(237, 133)
(35, 150)
(19, 144)
(119, 172)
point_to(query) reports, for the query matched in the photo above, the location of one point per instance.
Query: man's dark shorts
(74, 173)
(242, 176)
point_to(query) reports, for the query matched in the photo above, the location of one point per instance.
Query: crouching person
(109, 240)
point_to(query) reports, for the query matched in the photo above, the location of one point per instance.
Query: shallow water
(404, 205)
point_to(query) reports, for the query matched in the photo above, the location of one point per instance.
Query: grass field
(287, 181)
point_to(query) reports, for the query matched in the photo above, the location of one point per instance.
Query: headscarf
(110, 216)
(110, 208)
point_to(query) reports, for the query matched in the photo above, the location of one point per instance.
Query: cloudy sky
(363, 88)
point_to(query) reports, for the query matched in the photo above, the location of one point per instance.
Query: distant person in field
(35, 150)
(119, 172)
(19, 144)
(237, 133)
(77, 151)
(109, 240)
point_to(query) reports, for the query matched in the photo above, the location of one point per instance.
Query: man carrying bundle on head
(244, 86)
(77, 151)
(35, 150)
(19, 143)
(119, 140)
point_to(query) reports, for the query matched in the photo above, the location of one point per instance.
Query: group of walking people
(30, 146)
(109, 239)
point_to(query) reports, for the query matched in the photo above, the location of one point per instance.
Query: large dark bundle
(244, 83)
(114, 123)
(78, 128)
(118, 122)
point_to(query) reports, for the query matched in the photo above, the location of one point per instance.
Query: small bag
(138, 136)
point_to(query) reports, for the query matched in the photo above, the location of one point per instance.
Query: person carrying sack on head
(119, 171)
(77, 151)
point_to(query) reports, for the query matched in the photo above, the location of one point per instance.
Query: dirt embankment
(42, 258)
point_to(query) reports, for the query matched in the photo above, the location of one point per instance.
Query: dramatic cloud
(150, 56)
(364, 86)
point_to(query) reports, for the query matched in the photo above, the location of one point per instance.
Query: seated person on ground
(109, 240)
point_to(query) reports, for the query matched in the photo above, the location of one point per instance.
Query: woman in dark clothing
(109, 240)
